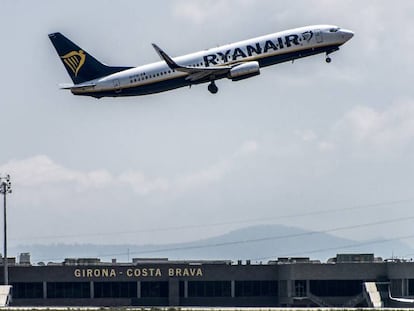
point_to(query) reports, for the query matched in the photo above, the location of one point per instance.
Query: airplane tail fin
(80, 65)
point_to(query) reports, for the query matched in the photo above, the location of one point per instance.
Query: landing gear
(328, 59)
(212, 87)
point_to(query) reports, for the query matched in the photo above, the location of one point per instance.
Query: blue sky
(297, 139)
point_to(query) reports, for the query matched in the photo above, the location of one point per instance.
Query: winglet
(172, 64)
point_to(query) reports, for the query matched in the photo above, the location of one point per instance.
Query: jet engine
(244, 71)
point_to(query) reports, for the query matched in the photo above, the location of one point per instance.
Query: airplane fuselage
(245, 58)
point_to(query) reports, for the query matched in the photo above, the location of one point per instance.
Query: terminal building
(347, 280)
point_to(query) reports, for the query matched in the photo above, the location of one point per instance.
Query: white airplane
(236, 61)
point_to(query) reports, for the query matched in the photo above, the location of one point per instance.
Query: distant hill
(257, 243)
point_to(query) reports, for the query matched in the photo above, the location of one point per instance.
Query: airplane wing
(195, 73)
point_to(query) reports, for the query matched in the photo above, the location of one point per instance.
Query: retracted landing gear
(212, 87)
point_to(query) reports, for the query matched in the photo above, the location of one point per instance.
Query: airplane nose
(347, 34)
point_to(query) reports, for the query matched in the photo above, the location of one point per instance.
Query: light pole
(5, 188)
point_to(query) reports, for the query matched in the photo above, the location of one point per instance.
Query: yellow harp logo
(74, 60)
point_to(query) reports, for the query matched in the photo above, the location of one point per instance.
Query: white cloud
(387, 128)
(212, 174)
(142, 184)
(306, 135)
(41, 170)
(368, 130)
(247, 148)
(326, 146)
(200, 12)
(206, 176)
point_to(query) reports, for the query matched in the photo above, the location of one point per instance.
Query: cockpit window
(334, 29)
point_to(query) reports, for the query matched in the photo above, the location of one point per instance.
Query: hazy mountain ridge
(257, 243)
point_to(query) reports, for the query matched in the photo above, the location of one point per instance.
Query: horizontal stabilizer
(69, 86)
